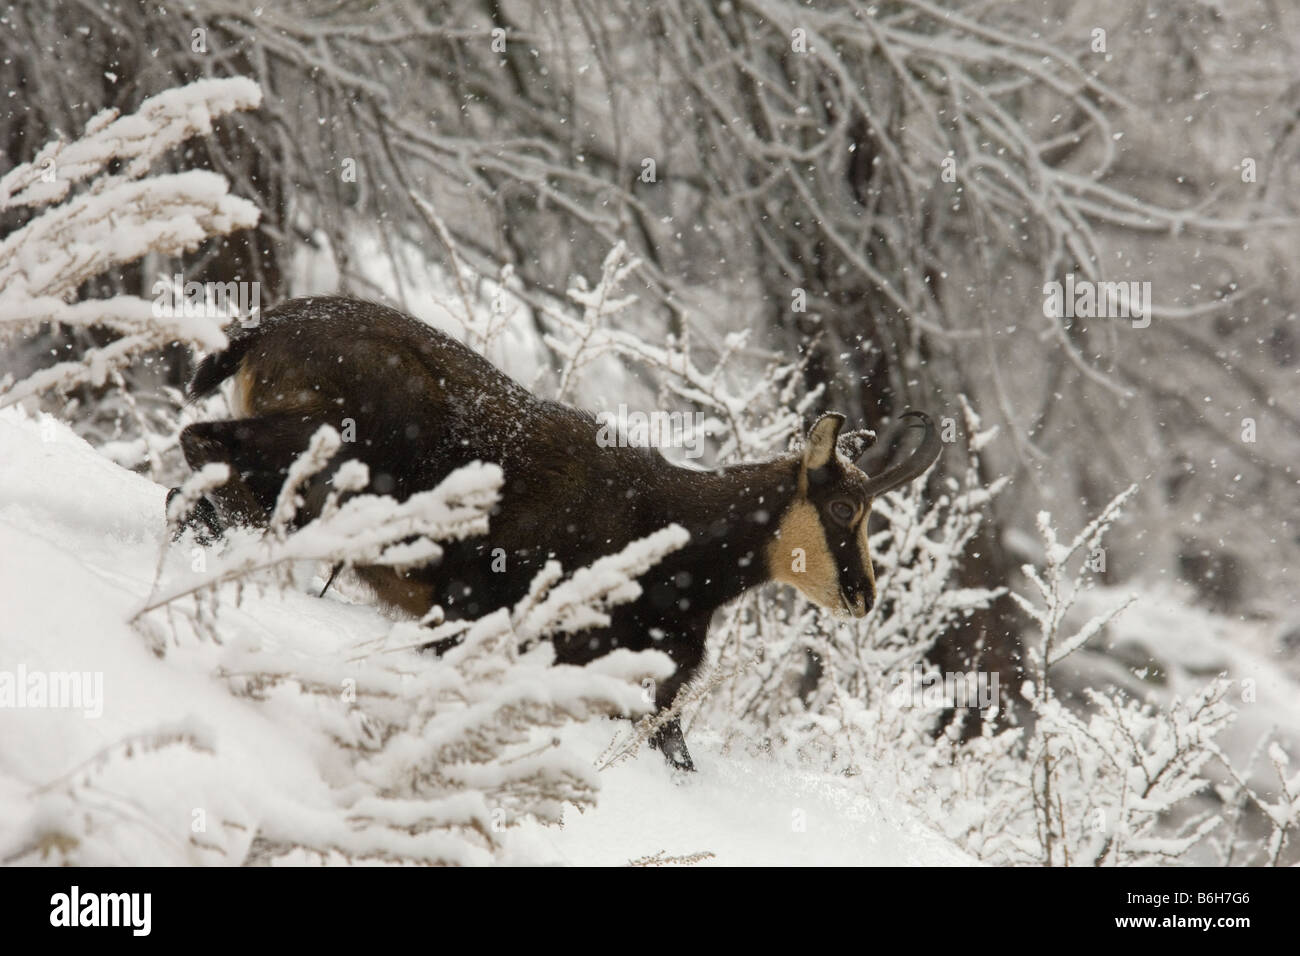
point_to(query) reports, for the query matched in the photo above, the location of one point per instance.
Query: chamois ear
(853, 445)
(821, 441)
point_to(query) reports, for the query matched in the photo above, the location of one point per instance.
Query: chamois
(423, 405)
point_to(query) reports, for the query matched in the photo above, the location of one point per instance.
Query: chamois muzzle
(857, 603)
(913, 466)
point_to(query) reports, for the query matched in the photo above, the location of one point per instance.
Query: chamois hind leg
(259, 452)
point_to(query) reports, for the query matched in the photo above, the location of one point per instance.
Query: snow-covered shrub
(1108, 783)
(1282, 813)
(770, 642)
(365, 529)
(443, 755)
(92, 206)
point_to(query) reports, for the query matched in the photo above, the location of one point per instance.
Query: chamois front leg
(202, 519)
(258, 451)
(670, 740)
(208, 443)
(687, 650)
(202, 444)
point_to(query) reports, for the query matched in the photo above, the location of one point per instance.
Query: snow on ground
(80, 540)
(743, 810)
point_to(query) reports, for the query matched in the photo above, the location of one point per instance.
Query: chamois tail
(217, 367)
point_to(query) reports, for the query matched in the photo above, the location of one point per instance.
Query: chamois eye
(842, 511)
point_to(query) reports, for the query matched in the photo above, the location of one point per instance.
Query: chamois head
(821, 545)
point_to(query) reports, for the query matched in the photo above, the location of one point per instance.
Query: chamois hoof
(668, 739)
(201, 519)
(438, 648)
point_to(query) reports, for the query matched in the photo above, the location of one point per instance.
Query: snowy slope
(744, 811)
(80, 541)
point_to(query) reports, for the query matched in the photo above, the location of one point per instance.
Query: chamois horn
(914, 465)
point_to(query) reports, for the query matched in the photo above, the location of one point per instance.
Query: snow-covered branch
(364, 530)
(116, 218)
